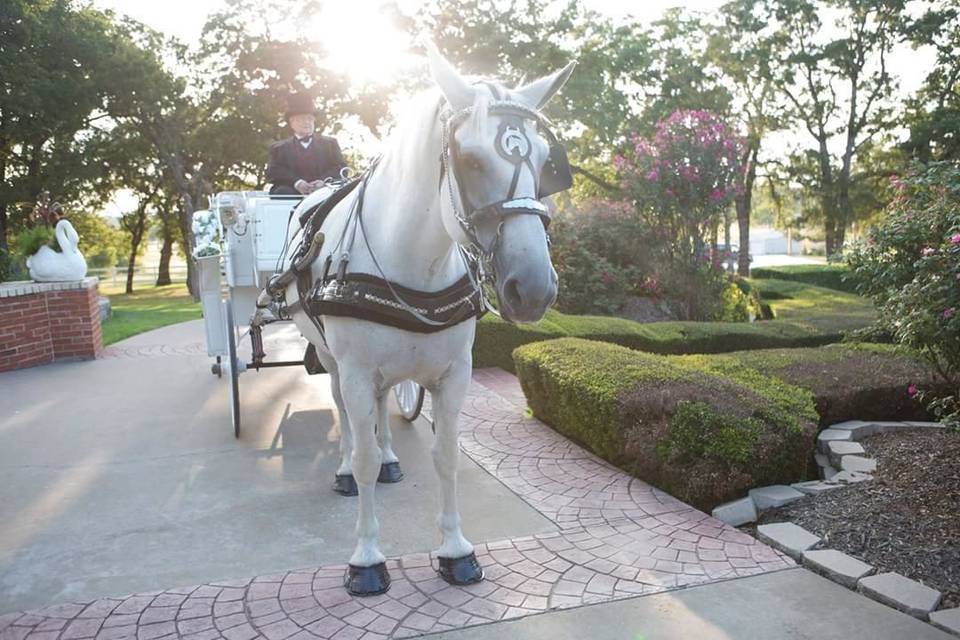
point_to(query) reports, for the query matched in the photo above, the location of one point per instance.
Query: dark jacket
(290, 162)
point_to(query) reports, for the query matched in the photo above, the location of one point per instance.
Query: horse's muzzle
(526, 295)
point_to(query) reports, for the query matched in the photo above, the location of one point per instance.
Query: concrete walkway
(134, 478)
(122, 475)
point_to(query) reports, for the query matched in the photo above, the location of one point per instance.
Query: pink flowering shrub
(910, 267)
(679, 183)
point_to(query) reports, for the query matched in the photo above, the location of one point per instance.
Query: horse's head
(499, 161)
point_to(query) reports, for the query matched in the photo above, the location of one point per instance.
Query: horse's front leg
(367, 573)
(390, 465)
(457, 561)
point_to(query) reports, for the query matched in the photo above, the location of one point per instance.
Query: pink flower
(912, 390)
(955, 238)
(607, 279)
(928, 251)
(949, 313)
(653, 174)
(716, 195)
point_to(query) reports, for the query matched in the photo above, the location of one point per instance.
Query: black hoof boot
(461, 571)
(345, 485)
(390, 472)
(367, 581)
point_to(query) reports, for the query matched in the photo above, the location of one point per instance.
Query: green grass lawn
(814, 307)
(146, 309)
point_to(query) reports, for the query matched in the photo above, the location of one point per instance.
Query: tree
(837, 86)
(57, 57)
(741, 47)
(933, 115)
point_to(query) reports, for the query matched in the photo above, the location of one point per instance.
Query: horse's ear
(455, 89)
(538, 93)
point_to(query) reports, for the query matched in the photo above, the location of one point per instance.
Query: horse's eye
(472, 161)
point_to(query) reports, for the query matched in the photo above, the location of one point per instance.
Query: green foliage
(496, 339)
(910, 267)
(830, 276)
(698, 431)
(702, 433)
(601, 256)
(856, 381)
(30, 240)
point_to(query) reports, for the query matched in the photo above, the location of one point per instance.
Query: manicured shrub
(829, 276)
(848, 381)
(496, 339)
(704, 433)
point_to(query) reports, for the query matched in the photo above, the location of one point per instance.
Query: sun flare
(362, 41)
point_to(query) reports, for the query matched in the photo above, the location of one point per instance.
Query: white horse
(416, 215)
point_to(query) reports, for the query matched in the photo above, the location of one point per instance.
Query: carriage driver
(299, 165)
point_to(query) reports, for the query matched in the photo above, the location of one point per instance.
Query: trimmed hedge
(830, 276)
(705, 433)
(856, 381)
(706, 428)
(496, 339)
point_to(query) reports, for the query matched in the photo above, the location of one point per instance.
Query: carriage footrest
(311, 362)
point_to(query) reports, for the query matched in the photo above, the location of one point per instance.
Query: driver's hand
(304, 187)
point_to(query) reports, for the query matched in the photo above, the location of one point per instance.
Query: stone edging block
(901, 593)
(947, 620)
(837, 566)
(775, 495)
(736, 512)
(792, 539)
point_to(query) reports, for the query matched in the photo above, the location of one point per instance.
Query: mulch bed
(906, 520)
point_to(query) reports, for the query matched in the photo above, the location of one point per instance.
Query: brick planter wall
(45, 321)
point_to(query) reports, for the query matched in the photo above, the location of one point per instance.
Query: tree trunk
(744, 206)
(163, 271)
(136, 236)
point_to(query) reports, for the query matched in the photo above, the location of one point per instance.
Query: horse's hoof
(345, 485)
(461, 571)
(367, 581)
(390, 472)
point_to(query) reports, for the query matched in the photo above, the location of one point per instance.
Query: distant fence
(141, 275)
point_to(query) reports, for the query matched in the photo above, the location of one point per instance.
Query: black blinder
(556, 175)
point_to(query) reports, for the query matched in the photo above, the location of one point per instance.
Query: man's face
(302, 124)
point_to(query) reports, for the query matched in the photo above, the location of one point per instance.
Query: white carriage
(240, 245)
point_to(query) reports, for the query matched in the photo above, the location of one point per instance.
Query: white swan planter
(47, 265)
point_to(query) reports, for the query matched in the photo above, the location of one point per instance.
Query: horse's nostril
(511, 292)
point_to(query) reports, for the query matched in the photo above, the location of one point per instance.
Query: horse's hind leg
(367, 573)
(343, 481)
(390, 466)
(458, 563)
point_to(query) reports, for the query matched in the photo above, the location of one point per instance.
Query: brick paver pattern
(617, 537)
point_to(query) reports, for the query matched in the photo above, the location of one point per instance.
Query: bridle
(512, 145)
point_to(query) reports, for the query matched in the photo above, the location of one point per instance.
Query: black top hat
(298, 103)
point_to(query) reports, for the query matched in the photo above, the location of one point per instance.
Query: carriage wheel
(410, 398)
(234, 369)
